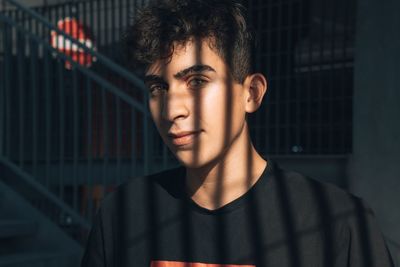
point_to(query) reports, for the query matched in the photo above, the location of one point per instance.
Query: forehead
(192, 52)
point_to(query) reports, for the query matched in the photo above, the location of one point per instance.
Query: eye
(157, 88)
(196, 82)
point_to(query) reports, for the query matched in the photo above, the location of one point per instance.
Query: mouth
(183, 138)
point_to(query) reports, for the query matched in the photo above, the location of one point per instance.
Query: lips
(183, 138)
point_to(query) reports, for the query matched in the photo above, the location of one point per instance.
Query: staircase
(29, 238)
(67, 137)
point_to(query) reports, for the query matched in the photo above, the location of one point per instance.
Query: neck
(227, 178)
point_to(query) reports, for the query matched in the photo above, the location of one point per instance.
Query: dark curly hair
(162, 24)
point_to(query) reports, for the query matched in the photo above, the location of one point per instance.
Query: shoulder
(341, 221)
(304, 189)
(314, 202)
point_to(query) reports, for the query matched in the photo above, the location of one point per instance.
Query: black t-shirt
(285, 219)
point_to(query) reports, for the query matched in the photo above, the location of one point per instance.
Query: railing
(79, 131)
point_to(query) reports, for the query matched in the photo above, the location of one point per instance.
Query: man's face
(198, 109)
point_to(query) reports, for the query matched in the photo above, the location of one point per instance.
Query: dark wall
(375, 165)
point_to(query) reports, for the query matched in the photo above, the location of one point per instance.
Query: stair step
(17, 228)
(31, 258)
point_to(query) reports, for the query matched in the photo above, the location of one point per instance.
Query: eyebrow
(199, 68)
(153, 78)
(193, 69)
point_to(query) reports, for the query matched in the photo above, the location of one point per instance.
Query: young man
(226, 205)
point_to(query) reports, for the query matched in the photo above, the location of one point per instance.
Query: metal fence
(306, 51)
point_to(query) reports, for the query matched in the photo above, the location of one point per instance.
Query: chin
(189, 160)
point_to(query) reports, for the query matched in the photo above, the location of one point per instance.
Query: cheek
(213, 107)
(223, 107)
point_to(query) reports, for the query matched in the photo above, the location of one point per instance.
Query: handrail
(115, 67)
(37, 186)
(93, 75)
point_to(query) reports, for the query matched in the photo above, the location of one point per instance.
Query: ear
(256, 87)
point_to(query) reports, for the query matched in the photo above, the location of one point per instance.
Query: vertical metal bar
(63, 15)
(48, 110)
(99, 23)
(299, 84)
(8, 70)
(7, 80)
(133, 137)
(46, 11)
(108, 22)
(81, 11)
(344, 100)
(331, 104)
(20, 54)
(85, 21)
(28, 63)
(105, 29)
(127, 14)
(105, 133)
(2, 87)
(308, 92)
(320, 100)
(112, 29)
(58, 15)
(278, 100)
(56, 18)
(289, 127)
(40, 30)
(350, 96)
(37, 150)
(71, 14)
(61, 87)
(89, 142)
(268, 39)
(118, 135)
(34, 73)
(52, 15)
(120, 19)
(75, 137)
(91, 21)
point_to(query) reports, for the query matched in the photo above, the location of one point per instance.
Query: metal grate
(306, 51)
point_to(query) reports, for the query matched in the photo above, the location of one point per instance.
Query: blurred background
(74, 122)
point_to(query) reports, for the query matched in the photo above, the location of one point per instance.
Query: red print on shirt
(192, 264)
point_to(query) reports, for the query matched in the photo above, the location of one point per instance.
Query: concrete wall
(375, 165)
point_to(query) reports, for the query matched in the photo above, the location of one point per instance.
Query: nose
(175, 106)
